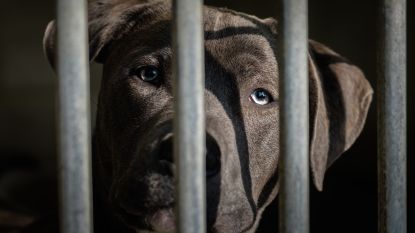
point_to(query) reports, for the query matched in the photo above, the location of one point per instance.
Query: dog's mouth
(148, 203)
(145, 195)
(161, 220)
(147, 215)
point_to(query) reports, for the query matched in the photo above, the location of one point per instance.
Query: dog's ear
(339, 101)
(108, 20)
(272, 25)
(49, 43)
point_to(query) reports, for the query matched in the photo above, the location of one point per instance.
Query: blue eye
(261, 97)
(148, 73)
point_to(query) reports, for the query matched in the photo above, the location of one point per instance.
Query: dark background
(28, 124)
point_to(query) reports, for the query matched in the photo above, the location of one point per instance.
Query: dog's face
(133, 134)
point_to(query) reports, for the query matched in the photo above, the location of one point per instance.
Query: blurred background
(28, 105)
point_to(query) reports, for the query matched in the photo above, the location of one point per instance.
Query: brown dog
(133, 134)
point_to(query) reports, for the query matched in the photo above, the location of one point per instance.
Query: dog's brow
(232, 31)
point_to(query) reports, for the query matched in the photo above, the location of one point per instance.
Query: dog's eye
(148, 73)
(261, 97)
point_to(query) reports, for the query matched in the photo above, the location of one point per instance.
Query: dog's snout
(165, 154)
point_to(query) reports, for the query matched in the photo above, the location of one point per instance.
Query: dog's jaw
(163, 221)
(146, 231)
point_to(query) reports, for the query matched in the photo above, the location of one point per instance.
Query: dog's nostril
(165, 154)
(212, 156)
(166, 150)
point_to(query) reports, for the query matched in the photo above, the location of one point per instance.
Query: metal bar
(294, 117)
(74, 117)
(392, 190)
(189, 120)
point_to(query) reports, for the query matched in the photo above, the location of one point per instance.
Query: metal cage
(74, 120)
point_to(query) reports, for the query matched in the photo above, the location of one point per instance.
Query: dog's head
(133, 133)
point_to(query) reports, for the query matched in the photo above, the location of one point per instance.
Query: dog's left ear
(339, 101)
(108, 20)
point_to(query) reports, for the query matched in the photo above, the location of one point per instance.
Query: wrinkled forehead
(232, 34)
(240, 43)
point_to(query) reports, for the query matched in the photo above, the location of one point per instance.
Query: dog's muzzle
(147, 190)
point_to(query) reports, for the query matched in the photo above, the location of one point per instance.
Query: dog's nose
(165, 154)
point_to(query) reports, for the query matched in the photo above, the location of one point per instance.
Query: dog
(132, 139)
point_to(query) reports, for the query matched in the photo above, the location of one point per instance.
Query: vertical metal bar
(392, 190)
(74, 118)
(189, 125)
(294, 139)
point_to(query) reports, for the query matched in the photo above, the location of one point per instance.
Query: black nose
(165, 154)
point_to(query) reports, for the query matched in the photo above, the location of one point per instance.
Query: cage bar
(74, 117)
(391, 85)
(294, 118)
(189, 119)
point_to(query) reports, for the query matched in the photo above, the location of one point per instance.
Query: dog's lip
(163, 220)
(126, 209)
